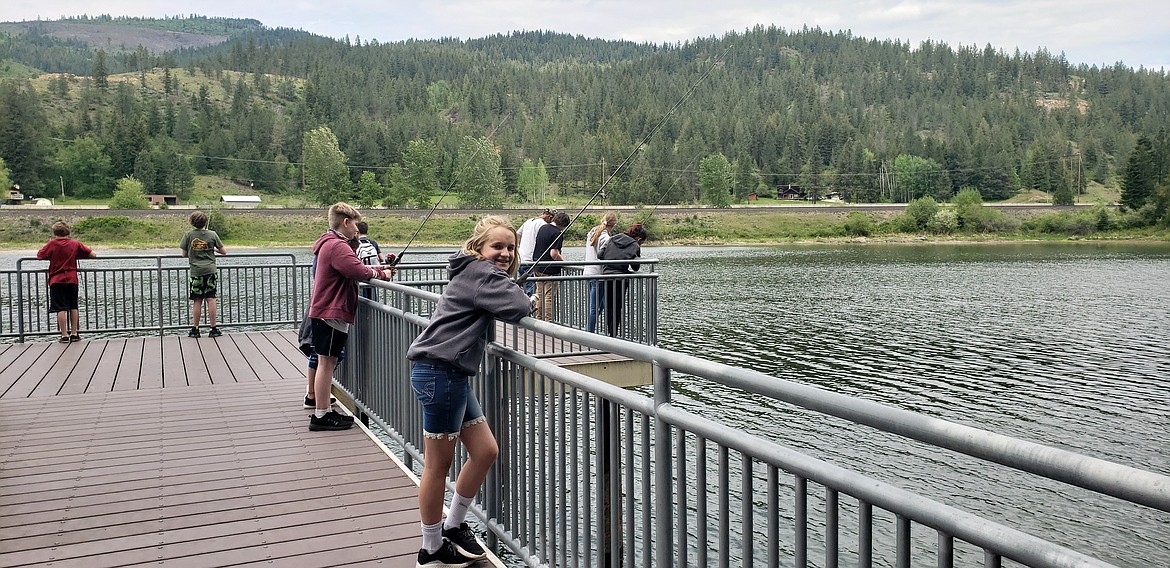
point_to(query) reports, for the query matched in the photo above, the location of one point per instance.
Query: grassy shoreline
(111, 231)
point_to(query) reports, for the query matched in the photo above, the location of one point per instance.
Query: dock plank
(172, 349)
(203, 364)
(230, 365)
(153, 369)
(283, 365)
(23, 375)
(256, 360)
(129, 370)
(60, 369)
(78, 379)
(106, 367)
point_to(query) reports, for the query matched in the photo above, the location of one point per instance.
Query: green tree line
(865, 120)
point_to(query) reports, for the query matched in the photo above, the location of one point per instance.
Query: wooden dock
(187, 452)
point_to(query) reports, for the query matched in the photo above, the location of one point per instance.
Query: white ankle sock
(320, 412)
(432, 537)
(457, 510)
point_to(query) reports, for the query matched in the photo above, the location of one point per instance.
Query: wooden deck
(187, 452)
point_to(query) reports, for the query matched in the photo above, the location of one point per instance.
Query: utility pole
(1080, 172)
(603, 175)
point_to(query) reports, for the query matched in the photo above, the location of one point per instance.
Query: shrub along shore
(918, 222)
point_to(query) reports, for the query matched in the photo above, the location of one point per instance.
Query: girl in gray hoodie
(444, 358)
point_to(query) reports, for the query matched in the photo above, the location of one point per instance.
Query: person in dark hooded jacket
(445, 357)
(622, 246)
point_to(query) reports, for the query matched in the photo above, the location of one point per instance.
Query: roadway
(21, 211)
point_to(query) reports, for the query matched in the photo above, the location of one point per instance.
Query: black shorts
(62, 297)
(203, 287)
(327, 340)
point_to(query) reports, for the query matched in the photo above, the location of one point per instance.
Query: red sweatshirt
(62, 254)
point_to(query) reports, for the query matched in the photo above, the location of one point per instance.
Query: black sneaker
(444, 557)
(193, 332)
(464, 542)
(74, 338)
(331, 421)
(214, 332)
(310, 403)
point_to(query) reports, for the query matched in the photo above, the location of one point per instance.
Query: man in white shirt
(527, 244)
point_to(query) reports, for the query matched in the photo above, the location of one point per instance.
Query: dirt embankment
(116, 36)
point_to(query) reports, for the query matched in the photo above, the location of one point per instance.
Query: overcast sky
(1101, 32)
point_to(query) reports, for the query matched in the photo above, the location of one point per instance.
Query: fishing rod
(521, 279)
(445, 192)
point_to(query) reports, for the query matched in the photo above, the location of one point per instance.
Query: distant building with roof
(241, 201)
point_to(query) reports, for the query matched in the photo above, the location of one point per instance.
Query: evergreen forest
(515, 117)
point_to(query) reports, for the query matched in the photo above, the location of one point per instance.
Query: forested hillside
(866, 120)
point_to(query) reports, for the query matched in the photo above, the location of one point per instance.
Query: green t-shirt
(200, 245)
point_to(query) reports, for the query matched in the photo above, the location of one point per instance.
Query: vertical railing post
(296, 298)
(494, 410)
(19, 301)
(663, 519)
(158, 263)
(652, 302)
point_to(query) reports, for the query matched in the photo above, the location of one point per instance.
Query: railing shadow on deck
(591, 474)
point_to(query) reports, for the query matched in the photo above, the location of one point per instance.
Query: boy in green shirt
(199, 245)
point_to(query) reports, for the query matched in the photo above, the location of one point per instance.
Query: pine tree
(1137, 184)
(101, 71)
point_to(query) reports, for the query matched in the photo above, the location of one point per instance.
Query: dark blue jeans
(596, 303)
(529, 286)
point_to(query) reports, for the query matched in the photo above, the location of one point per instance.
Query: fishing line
(673, 185)
(446, 191)
(523, 277)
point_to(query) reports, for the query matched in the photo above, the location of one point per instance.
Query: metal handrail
(112, 297)
(541, 412)
(114, 303)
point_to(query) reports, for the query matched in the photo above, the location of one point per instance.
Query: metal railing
(135, 294)
(571, 305)
(593, 475)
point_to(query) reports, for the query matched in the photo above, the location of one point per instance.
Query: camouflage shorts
(203, 287)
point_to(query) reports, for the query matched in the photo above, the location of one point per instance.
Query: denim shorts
(448, 404)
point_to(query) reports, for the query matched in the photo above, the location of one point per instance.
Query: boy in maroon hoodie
(333, 306)
(62, 253)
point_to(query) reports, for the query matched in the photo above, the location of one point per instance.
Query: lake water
(1065, 344)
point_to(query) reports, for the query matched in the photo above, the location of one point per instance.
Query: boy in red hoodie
(333, 306)
(62, 253)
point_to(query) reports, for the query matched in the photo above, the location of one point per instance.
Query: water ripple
(1063, 345)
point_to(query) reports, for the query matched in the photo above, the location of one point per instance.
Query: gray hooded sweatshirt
(478, 291)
